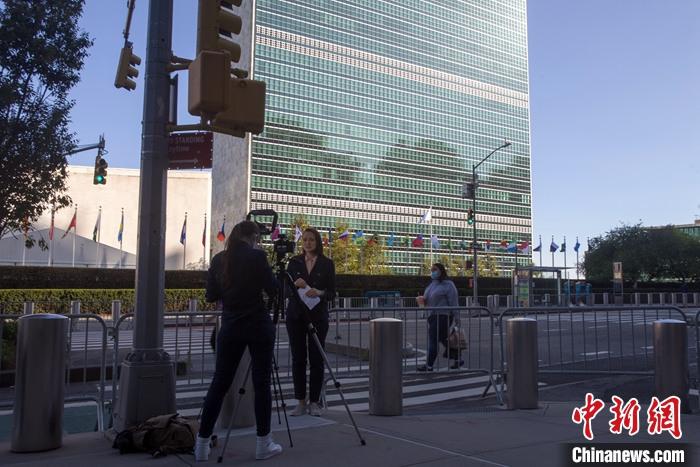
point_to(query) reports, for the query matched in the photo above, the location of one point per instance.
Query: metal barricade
(591, 340)
(85, 362)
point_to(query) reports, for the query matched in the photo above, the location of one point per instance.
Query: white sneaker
(202, 448)
(266, 447)
(315, 409)
(300, 409)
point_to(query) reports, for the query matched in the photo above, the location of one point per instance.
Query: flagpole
(24, 246)
(121, 241)
(204, 243)
(577, 257)
(540, 251)
(566, 273)
(184, 245)
(75, 214)
(51, 233)
(550, 250)
(431, 243)
(97, 235)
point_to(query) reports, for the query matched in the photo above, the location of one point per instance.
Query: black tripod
(286, 278)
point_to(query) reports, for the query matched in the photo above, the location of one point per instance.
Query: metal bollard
(245, 415)
(509, 301)
(192, 305)
(650, 298)
(521, 356)
(674, 298)
(606, 298)
(28, 308)
(637, 298)
(39, 385)
(116, 311)
(662, 298)
(385, 374)
(671, 375)
(546, 299)
(75, 307)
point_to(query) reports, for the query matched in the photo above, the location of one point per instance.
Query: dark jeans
(438, 330)
(301, 343)
(258, 334)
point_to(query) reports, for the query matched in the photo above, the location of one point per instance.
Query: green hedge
(97, 301)
(9, 344)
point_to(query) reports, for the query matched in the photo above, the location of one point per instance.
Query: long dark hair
(241, 233)
(317, 236)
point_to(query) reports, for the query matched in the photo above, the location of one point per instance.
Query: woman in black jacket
(316, 273)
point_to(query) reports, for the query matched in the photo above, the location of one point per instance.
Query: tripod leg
(276, 381)
(241, 393)
(312, 331)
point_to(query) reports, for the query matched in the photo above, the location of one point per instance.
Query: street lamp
(473, 217)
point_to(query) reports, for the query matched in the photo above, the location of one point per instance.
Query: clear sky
(614, 95)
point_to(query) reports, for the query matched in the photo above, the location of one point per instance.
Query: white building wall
(188, 191)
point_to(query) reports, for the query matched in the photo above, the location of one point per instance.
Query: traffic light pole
(476, 266)
(147, 380)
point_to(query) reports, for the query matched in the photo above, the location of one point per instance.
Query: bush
(98, 301)
(9, 344)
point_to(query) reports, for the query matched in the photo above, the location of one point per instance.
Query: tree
(42, 53)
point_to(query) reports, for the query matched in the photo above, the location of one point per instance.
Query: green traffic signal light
(470, 217)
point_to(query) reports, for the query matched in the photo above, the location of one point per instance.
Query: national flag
(390, 240)
(358, 234)
(427, 217)
(275, 233)
(344, 235)
(73, 224)
(53, 211)
(221, 236)
(297, 233)
(563, 247)
(525, 247)
(97, 226)
(504, 244)
(512, 247)
(373, 240)
(435, 241)
(120, 234)
(183, 232)
(577, 245)
(553, 247)
(418, 241)
(538, 247)
(487, 245)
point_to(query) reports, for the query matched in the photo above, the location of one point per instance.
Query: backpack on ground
(162, 435)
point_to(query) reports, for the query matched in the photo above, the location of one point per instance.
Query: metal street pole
(476, 267)
(147, 380)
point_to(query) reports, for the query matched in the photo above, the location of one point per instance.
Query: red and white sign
(190, 150)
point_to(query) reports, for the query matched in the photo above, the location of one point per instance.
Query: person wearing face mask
(314, 270)
(441, 292)
(237, 277)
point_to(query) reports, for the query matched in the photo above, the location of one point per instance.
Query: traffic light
(126, 70)
(216, 18)
(245, 111)
(470, 216)
(100, 174)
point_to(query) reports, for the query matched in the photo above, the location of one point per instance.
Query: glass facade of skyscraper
(377, 111)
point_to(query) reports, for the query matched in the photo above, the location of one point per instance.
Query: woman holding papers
(314, 277)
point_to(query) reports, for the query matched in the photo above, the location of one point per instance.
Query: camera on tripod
(281, 246)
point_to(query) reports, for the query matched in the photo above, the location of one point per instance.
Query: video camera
(281, 246)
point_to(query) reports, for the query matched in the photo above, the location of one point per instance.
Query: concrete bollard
(40, 383)
(521, 354)
(606, 298)
(546, 299)
(650, 298)
(385, 373)
(671, 375)
(696, 299)
(637, 298)
(28, 308)
(245, 415)
(662, 298)
(192, 305)
(674, 298)
(75, 307)
(509, 301)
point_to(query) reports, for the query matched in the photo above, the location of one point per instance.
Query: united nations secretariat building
(376, 112)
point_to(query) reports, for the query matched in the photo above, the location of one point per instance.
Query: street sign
(190, 150)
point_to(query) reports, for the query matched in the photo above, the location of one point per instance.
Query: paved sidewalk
(478, 437)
